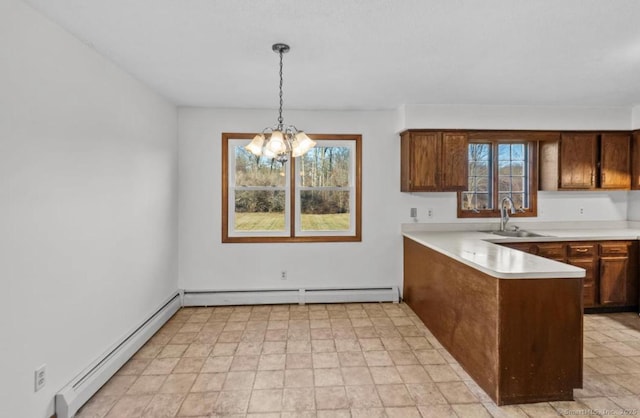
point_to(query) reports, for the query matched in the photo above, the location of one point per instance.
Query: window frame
(292, 192)
(531, 185)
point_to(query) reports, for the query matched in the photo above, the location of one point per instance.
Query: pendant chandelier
(280, 140)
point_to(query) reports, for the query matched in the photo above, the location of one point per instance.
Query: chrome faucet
(504, 215)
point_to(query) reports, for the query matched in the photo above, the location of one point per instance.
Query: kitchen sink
(518, 233)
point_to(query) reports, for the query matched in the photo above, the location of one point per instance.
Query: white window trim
(231, 187)
(350, 188)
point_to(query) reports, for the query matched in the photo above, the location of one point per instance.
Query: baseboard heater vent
(299, 296)
(87, 383)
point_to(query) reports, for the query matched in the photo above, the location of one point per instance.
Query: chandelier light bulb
(284, 140)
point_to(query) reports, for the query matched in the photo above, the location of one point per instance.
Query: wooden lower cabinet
(611, 269)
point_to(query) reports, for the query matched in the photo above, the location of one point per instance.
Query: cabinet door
(590, 292)
(425, 161)
(554, 251)
(613, 280)
(454, 161)
(578, 153)
(614, 161)
(635, 161)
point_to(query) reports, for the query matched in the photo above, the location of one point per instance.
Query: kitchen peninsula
(513, 320)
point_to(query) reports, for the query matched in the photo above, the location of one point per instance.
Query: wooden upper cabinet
(454, 161)
(615, 161)
(433, 161)
(578, 159)
(635, 161)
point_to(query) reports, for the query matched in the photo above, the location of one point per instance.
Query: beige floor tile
(266, 400)
(298, 378)
(426, 394)
(232, 402)
(178, 383)
(98, 406)
(272, 362)
(377, 358)
(147, 384)
(130, 406)
(298, 361)
(208, 382)
(327, 377)
(437, 411)
(471, 410)
(161, 366)
(394, 395)
(325, 360)
(403, 412)
(331, 397)
(198, 404)
(163, 405)
(364, 396)
(269, 379)
(239, 380)
(385, 375)
(351, 359)
(335, 413)
(403, 357)
(368, 413)
(217, 364)
(373, 360)
(298, 399)
(456, 392)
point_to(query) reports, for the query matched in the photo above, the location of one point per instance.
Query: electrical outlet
(414, 212)
(40, 377)
(283, 275)
(430, 213)
(581, 211)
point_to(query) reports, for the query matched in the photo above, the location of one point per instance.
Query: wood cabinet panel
(635, 161)
(581, 250)
(590, 291)
(433, 161)
(578, 158)
(615, 161)
(613, 280)
(454, 161)
(549, 250)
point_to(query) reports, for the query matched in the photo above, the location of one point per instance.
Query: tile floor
(343, 360)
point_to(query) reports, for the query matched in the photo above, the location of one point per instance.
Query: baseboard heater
(280, 296)
(87, 383)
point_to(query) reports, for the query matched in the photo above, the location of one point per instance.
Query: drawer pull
(582, 250)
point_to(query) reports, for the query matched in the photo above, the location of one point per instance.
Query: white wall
(88, 204)
(635, 117)
(205, 263)
(515, 117)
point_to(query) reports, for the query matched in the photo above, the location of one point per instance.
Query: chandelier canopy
(280, 140)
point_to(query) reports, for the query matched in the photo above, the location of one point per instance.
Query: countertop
(480, 250)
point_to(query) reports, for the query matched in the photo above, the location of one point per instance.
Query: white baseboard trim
(69, 400)
(299, 296)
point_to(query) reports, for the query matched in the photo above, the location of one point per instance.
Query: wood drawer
(614, 249)
(555, 251)
(581, 250)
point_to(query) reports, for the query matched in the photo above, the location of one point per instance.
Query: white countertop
(478, 249)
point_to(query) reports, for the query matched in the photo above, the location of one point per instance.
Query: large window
(499, 169)
(315, 197)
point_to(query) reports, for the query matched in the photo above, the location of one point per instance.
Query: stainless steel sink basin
(520, 233)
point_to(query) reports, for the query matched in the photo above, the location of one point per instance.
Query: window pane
(518, 201)
(325, 167)
(324, 210)
(483, 201)
(517, 152)
(257, 171)
(517, 184)
(260, 210)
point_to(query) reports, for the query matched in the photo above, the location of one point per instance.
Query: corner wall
(88, 197)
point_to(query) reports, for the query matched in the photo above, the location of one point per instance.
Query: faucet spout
(504, 215)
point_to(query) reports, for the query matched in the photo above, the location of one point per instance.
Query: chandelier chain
(280, 120)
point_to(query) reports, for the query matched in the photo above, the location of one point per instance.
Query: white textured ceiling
(368, 54)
